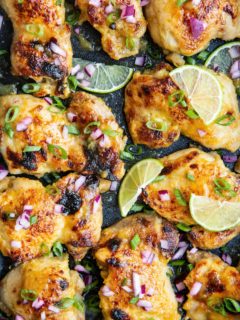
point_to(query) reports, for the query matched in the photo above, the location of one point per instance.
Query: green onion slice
(73, 130)
(232, 305)
(124, 155)
(134, 300)
(157, 125)
(190, 176)
(31, 87)
(33, 220)
(57, 151)
(44, 249)
(135, 241)
(8, 129)
(192, 114)
(221, 120)
(57, 249)
(110, 133)
(180, 2)
(29, 295)
(2, 52)
(88, 128)
(179, 197)
(64, 303)
(73, 83)
(183, 227)
(11, 114)
(130, 43)
(31, 148)
(134, 149)
(53, 190)
(35, 29)
(176, 98)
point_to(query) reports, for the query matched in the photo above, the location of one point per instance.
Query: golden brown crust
(78, 227)
(114, 40)
(118, 261)
(51, 279)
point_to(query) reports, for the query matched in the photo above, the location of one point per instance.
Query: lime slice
(214, 215)
(221, 59)
(202, 88)
(137, 178)
(101, 78)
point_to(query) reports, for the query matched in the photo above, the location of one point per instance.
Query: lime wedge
(137, 178)
(221, 59)
(101, 78)
(214, 215)
(202, 88)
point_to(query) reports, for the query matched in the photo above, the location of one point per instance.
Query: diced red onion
(23, 221)
(180, 286)
(18, 317)
(57, 62)
(88, 279)
(54, 309)
(180, 298)
(96, 203)
(28, 208)
(216, 67)
(48, 100)
(95, 3)
(182, 244)
(164, 244)
(96, 134)
(80, 268)
(144, 304)
(97, 199)
(49, 140)
(16, 244)
(143, 288)
(43, 315)
(196, 2)
(201, 133)
(90, 69)
(195, 288)
(127, 11)
(79, 182)
(58, 208)
(75, 69)
(27, 120)
(72, 117)
(107, 292)
(230, 159)
(65, 132)
(109, 9)
(80, 75)
(113, 186)
(147, 256)
(3, 174)
(21, 127)
(193, 250)
(56, 49)
(150, 292)
(104, 141)
(235, 70)
(144, 3)
(136, 284)
(139, 61)
(197, 27)
(85, 83)
(1, 22)
(179, 254)
(234, 52)
(131, 19)
(127, 289)
(235, 75)
(77, 30)
(164, 195)
(37, 304)
(226, 258)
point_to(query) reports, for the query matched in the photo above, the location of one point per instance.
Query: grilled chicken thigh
(37, 138)
(134, 269)
(147, 107)
(34, 218)
(217, 281)
(188, 28)
(41, 48)
(121, 24)
(38, 288)
(193, 171)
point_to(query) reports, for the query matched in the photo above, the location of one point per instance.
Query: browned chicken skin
(173, 27)
(123, 267)
(51, 281)
(205, 168)
(41, 47)
(147, 101)
(63, 212)
(61, 150)
(217, 280)
(120, 38)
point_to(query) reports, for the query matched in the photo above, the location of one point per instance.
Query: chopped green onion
(228, 117)
(134, 149)
(137, 207)
(110, 133)
(157, 125)
(190, 176)
(192, 114)
(33, 220)
(73, 83)
(3, 52)
(175, 98)
(73, 17)
(177, 263)
(64, 303)
(124, 282)
(73, 130)
(124, 155)
(159, 178)
(232, 305)
(8, 129)
(45, 251)
(20, 1)
(217, 306)
(88, 130)
(57, 249)
(35, 29)
(31, 148)
(222, 184)
(78, 303)
(190, 60)
(113, 17)
(58, 2)
(130, 43)
(52, 190)
(30, 87)
(183, 227)
(190, 267)
(180, 2)
(11, 114)
(203, 55)
(135, 241)
(134, 300)
(179, 197)
(29, 295)
(57, 151)
(57, 103)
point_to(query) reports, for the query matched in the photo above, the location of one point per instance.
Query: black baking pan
(116, 101)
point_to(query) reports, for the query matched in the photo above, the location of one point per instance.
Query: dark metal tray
(115, 101)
